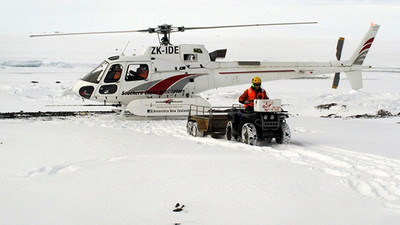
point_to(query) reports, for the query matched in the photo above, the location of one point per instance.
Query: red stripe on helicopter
(367, 44)
(265, 71)
(369, 41)
(163, 85)
(365, 47)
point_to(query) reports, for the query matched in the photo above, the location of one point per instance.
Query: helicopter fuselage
(182, 71)
(185, 70)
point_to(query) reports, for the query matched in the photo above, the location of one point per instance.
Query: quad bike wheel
(284, 134)
(249, 134)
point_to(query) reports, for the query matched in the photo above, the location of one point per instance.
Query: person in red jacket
(253, 92)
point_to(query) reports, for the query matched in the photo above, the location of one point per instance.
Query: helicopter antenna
(123, 51)
(166, 29)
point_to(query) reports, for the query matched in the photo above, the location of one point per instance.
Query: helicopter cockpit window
(137, 72)
(113, 74)
(95, 75)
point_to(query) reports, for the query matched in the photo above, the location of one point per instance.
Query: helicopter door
(135, 80)
(191, 87)
(110, 85)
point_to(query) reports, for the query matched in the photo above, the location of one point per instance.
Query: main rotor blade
(165, 30)
(84, 33)
(248, 25)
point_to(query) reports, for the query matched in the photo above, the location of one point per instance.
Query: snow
(107, 169)
(102, 178)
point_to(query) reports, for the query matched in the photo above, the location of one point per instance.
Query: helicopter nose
(83, 89)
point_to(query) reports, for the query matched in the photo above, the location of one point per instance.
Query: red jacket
(250, 94)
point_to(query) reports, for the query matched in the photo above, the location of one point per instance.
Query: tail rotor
(339, 48)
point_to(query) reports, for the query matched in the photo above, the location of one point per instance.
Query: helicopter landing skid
(161, 107)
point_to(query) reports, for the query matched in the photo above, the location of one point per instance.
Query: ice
(27, 63)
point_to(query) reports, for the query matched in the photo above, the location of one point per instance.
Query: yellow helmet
(256, 80)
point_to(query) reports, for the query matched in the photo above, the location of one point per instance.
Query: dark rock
(384, 113)
(326, 106)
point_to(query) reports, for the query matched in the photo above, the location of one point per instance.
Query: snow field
(86, 167)
(368, 174)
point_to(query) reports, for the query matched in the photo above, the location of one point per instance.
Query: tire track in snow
(367, 174)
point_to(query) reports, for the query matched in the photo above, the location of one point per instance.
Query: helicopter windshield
(96, 74)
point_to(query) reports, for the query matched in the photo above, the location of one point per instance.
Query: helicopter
(166, 79)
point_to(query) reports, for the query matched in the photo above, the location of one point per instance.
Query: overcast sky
(351, 17)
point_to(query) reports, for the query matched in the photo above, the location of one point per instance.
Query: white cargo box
(267, 105)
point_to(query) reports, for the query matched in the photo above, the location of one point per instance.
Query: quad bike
(265, 123)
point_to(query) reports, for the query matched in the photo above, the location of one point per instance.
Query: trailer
(204, 120)
(266, 123)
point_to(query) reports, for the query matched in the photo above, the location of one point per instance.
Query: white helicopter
(166, 79)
